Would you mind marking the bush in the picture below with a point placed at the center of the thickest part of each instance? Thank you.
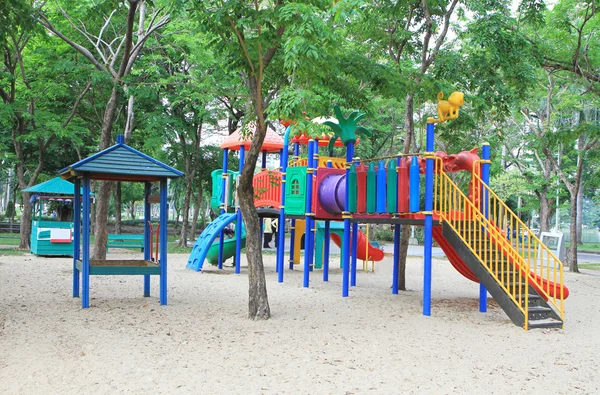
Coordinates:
(384, 235)
(10, 210)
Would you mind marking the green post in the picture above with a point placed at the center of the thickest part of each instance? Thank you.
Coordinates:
(371, 189)
(392, 187)
(352, 189)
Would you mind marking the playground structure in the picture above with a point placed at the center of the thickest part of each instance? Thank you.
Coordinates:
(119, 163)
(52, 236)
(522, 274)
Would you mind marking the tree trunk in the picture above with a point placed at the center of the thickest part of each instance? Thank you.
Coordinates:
(118, 202)
(404, 239)
(186, 211)
(258, 302)
(579, 215)
(25, 226)
(104, 187)
(93, 189)
(572, 255)
(410, 130)
(544, 211)
(132, 209)
(197, 204)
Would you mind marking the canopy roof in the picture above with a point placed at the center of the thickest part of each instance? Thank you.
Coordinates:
(273, 142)
(55, 186)
(120, 163)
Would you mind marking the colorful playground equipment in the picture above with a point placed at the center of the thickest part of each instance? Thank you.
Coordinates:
(522, 274)
(53, 234)
(118, 163)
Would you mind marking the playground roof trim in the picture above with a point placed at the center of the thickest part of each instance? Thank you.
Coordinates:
(55, 186)
(273, 142)
(120, 163)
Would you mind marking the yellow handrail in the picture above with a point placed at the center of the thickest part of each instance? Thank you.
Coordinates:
(487, 240)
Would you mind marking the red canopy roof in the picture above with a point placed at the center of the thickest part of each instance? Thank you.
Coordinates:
(273, 142)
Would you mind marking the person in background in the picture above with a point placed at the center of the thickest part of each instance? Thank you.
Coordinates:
(275, 225)
(267, 232)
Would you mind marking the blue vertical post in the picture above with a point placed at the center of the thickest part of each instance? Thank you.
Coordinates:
(326, 241)
(293, 224)
(85, 248)
(309, 238)
(485, 177)
(163, 241)
(428, 220)
(76, 236)
(147, 235)
(346, 242)
(224, 178)
(283, 161)
(396, 267)
(238, 223)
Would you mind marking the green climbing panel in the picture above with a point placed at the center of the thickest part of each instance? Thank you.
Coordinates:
(352, 189)
(295, 190)
(215, 199)
(371, 189)
(392, 187)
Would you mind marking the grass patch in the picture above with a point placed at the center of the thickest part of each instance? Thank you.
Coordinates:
(595, 247)
(590, 266)
(12, 252)
(8, 239)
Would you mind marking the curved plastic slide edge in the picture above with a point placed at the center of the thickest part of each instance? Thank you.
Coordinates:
(204, 242)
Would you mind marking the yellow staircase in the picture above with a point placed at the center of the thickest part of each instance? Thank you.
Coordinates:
(518, 270)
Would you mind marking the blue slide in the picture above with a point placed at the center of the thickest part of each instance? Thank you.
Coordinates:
(204, 242)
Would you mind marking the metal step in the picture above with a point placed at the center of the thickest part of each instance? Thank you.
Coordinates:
(548, 323)
(537, 313)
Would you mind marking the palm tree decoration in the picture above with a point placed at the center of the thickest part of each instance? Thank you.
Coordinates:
(346, 128)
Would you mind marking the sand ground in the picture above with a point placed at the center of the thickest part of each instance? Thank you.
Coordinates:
(316, 342)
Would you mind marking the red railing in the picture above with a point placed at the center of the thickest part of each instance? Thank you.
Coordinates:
(267, 189)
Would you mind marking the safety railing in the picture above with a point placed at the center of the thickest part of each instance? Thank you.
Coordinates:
(515, 266)
(336, 163)
(267, 188)
(545, 270)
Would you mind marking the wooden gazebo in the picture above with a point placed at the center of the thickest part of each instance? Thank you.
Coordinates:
(118, 163)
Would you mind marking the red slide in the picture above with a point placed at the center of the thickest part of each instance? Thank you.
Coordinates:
(361, 249)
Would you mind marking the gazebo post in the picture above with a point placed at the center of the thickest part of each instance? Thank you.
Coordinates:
(147, 235)
(85, 262)
(76, 235)
(163, 241)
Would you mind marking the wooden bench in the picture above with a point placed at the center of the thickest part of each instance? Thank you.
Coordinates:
(125, 241)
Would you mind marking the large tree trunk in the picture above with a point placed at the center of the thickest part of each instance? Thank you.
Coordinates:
(258, 302)
(410, 130)
(104, 186)
(118, 202)
(25, 226)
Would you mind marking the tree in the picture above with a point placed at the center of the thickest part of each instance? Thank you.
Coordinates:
(118, 50)
(258, 36)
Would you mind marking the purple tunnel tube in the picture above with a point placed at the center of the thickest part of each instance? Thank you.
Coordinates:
(332, 193)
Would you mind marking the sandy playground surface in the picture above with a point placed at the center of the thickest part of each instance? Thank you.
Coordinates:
(316, 342)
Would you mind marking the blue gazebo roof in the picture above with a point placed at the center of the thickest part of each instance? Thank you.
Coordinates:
(120, 163)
